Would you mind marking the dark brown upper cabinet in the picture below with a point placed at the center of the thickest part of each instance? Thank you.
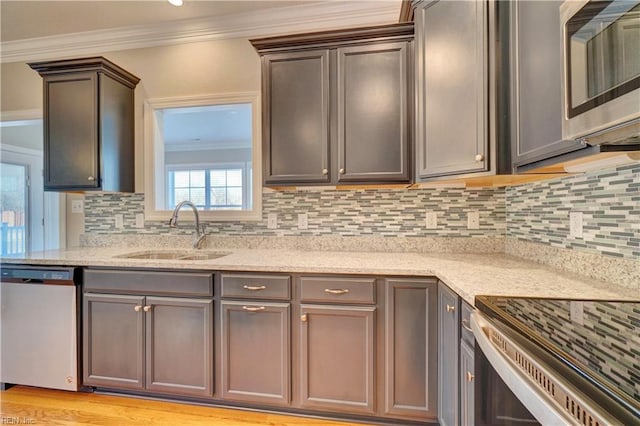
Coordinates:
(88, 125)
(337, 106)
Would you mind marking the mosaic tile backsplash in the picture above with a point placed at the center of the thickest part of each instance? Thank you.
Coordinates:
(374, 212)
(606, 341)
(608, 199)
(535, 212)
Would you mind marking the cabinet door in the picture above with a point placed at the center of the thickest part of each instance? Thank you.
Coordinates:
(337, 358)
(296, 117)
(113, 345)
(71, 131)
(448, 341)
(467, 377)
(411, 338)
(536, 81)
(179, 343)
(373, 116)
(255, 352)
(452, 81)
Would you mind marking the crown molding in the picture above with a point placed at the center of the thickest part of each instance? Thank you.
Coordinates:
(258, 23)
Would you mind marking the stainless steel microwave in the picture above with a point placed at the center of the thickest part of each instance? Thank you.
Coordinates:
(601, 60)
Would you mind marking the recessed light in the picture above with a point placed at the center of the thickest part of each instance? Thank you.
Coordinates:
(176, 2)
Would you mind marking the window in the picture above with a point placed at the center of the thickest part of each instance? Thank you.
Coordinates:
(203, 149)
(220, 188)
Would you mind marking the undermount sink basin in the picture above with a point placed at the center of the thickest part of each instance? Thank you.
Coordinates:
(173, 255)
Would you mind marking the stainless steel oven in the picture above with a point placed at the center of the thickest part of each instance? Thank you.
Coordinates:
(601, 59)
(556, 362)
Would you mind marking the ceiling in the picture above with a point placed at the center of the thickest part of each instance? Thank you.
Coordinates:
(22, 19)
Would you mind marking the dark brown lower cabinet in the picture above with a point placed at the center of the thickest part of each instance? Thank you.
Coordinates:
(175, 333)
(113, 333)
(410, 366)
(336, 358)
(255, 352)
(179, 345)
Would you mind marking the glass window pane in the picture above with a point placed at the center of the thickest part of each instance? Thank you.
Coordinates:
(181, 179)
(234, 177)
(197, 197)
(197, 178)
(218, 196)
(218, 177)
(180, 194)
(14, 206)
(234, 196)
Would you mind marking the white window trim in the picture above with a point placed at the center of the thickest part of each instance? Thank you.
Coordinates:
(154, 167)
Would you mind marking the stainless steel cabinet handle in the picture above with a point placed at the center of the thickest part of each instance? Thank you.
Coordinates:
(450, 308)
(147, 308)
(336, 291)
(137, 308)
(479, 157)
(466, 326)
(253, 309)
(254, 287)
(91, 178)
(325, 171)
(341, 171)
(470, 376)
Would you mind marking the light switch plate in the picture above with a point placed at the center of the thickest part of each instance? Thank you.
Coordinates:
(576, 309)
(119, 221)
(272, 221)
(473, 220)
(303, 221)
(139, 220)
(431, 220)
(77, 206)
(575, 224)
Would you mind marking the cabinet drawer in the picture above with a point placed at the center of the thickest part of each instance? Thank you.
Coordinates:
(149, 282)
(465, 324)
(338, 289)
(256, 286)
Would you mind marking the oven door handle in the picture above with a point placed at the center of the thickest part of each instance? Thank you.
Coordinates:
(539, 405)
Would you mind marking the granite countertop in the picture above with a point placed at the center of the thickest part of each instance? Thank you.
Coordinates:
(467, 274)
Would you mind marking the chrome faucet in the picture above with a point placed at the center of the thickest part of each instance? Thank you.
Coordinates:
(200, 231)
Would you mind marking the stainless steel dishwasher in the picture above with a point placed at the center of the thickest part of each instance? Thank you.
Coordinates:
(39, 326)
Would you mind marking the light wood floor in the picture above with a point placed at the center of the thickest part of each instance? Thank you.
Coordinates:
(27, 405)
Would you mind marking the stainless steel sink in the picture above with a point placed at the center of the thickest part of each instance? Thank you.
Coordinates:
(174, 255)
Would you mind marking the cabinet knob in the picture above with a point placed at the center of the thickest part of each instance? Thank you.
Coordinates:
(451, 308)
(479, 157)
(137, 308)
(325, 171)
(303, 318)
(91, 178)
(470, 377)
(341, 171)
(147, 308)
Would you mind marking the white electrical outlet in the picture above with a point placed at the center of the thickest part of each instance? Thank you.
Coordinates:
(139, 220)
(272, 221)
(77, 206)
(431, 220)
(575, 224)
(576, 311)
(119, 221)
(303, 221)
(473, 220)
